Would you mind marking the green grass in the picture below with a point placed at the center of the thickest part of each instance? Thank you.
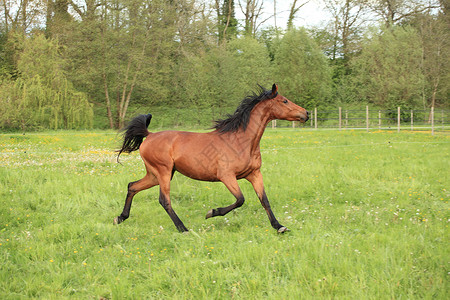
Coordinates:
(368, 214)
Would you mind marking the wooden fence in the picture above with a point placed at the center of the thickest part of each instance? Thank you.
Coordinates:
(399, 119)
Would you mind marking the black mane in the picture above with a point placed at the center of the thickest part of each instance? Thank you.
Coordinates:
(241, 116)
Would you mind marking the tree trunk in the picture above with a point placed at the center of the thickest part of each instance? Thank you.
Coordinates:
(6, 10)
(108, 102)
(433, 97)
(228, 20)
(126, 97)
(24, 15)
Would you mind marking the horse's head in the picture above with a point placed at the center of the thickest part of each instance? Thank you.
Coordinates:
(284, 109)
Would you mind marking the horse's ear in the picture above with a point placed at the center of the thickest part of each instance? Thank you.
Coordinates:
(274, 89)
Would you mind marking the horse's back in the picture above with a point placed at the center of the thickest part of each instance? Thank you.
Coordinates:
(172, 139)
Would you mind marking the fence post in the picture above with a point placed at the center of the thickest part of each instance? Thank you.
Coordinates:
(443, 123)
(432, 120)
(367, 118)
(315, 117)
(274, 124)
(293, 124)
(379, 120)
(412, 120)
(340, 118)
(398, 119)
(346, 119)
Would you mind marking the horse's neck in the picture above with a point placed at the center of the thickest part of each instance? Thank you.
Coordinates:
(259, 118)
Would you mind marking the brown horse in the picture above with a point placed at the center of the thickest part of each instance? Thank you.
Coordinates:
(228, 153)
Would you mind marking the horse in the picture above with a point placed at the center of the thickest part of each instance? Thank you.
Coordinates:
(228, 153)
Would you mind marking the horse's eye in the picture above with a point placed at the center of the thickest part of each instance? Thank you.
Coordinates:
(285, 101)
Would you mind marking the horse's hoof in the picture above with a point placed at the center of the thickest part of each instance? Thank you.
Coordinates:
(182, 229)
(209, 214)
(282, 229)
(116, 221)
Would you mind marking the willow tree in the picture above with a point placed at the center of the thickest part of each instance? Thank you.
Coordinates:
(41, 96)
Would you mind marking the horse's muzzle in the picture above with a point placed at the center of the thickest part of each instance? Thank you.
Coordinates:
(303, 117)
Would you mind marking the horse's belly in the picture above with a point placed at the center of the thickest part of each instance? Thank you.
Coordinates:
(200, 170)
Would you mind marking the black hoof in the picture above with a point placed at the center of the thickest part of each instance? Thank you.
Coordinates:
(183, 229)
(117, 221)
(210, 214)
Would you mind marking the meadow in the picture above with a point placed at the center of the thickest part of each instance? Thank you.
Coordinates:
(368, 215)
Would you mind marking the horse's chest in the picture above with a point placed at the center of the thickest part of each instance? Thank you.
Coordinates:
(253, 163)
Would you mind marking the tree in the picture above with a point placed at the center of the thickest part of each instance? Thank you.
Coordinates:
(42, 96)
(270, 38)
(301, 68)
(223, 75)
(341, 40)
(434, 37)
(252, 10)
(20, 16)
(57, 18)
(226, 20)
(346, 25)
(293, 11)
(250, 65)
(194, 27)
(394, 11)
(388, 73)
(126, 52)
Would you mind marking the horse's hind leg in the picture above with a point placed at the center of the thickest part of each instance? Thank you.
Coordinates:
(164, 200)
(133, 188)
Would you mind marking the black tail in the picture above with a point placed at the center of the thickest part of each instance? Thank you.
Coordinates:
(134, 133)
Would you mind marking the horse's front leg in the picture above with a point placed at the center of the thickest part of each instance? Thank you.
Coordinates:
(256, 179)
(233, 186)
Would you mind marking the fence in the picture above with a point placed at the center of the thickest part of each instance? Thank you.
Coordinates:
(398, 119)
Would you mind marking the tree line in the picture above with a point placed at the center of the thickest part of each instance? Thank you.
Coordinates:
(68, 63)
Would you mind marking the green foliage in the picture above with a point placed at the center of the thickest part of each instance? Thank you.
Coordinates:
(193, 90)
(5, 63)
(129, 56)
(435, 36)
(42, 97)
(302, 70)
(270, 37)
(220, 77)
(227, 22)
(388, 72)
(251, 62)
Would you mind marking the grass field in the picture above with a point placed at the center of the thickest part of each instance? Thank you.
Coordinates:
(368, 214)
